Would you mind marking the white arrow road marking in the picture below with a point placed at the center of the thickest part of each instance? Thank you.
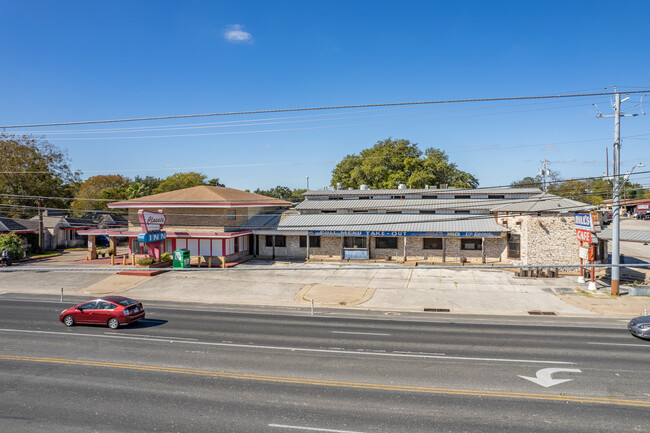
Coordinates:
(544, 376)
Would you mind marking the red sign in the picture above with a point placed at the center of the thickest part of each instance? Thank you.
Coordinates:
(584, 235)
(151, 221)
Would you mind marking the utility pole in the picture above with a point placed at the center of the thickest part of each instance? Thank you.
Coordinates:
(616, 194)
(544, 171)
(40, 224)
(307, 183)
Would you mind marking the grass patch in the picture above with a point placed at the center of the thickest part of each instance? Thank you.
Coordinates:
(45, 255)
(75, 249)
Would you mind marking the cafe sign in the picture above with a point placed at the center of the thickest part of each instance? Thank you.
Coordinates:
(583, 235)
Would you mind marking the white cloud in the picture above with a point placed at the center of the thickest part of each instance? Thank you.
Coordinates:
(570, 160)
(235, 33)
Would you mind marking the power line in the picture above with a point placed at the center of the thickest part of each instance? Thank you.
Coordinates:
(337, 107)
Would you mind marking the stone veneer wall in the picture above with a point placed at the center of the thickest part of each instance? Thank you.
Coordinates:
(546, 239)
(331, 248)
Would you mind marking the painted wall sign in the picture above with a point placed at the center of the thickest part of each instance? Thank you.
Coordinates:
(583, 235)
(584, 222)
(145, 238)
(151, 221)
(355, 253)
(406, 234)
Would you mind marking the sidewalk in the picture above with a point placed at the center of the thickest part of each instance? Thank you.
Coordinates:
(389, 288)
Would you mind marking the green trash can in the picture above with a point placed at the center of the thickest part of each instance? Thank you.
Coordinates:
(181, 259)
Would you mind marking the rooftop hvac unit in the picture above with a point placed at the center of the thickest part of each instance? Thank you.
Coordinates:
(401, 186)
(443, 186)
(363, 187)
(339, 185)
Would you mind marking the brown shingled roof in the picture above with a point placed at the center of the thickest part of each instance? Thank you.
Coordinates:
(202, 196)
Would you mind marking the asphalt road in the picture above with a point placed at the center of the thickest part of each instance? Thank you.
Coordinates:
(271, 370)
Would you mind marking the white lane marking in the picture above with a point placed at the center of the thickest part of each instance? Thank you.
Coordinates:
(295, 349)
(545, 379)
(620, 344)
(158, 336)
(297, 427)
(357, 333)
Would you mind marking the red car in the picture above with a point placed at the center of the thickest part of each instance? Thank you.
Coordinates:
(112, 311)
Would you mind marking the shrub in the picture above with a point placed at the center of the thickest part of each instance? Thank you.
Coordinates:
(110, 251)
(13, 244)
(165, 257)
(146, 261)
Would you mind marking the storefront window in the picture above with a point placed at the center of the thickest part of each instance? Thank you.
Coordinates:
(432, 243)
(470, 244)
(236, 245)
(314, 241)
(514, 246)
(280, 241)
(354, 242)
(386, 243)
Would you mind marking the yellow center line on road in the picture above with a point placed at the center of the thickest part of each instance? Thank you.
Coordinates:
(330, 383)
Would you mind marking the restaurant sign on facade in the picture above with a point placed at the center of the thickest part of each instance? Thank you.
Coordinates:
(406, 234)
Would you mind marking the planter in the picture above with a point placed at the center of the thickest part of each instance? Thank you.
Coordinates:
(163, 264)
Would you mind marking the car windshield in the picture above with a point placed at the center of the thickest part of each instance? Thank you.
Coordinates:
(126, 302)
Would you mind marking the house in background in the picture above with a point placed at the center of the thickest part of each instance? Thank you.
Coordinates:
(62, 230)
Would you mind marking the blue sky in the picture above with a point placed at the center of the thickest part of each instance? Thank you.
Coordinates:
(79, 60)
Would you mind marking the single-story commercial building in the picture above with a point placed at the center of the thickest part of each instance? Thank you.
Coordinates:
(492, 225)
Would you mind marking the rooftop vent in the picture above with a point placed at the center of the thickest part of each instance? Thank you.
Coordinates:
(401, 186)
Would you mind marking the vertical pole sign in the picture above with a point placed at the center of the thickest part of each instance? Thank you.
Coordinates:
(584, 224)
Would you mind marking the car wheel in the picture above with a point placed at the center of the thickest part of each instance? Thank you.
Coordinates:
(113, 323)
(68, 321)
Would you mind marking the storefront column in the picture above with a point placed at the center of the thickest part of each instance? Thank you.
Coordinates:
(444, 250)
(254, 245)
(307, 246)
(273, 242)
(112, 244)
(405, 248)
(483, 250)
(92, 247)
(368, 247)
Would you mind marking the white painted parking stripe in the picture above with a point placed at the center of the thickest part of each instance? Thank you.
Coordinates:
(358, 333)
(295, 349)
(645, 346)
(297, 427)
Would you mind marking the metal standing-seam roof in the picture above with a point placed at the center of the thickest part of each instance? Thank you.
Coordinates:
(389, 222)
(544, 203)
(626, 235)
(405, 204)
(421, 191)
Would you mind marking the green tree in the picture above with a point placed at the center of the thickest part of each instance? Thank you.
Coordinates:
(33, 167)
(392, 162)
(102, 187)
(13, 244)
(142, 186)
(184, 180)
(281, 192)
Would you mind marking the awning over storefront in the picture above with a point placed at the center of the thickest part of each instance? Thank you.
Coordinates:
(641, 236)
(386, 225)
